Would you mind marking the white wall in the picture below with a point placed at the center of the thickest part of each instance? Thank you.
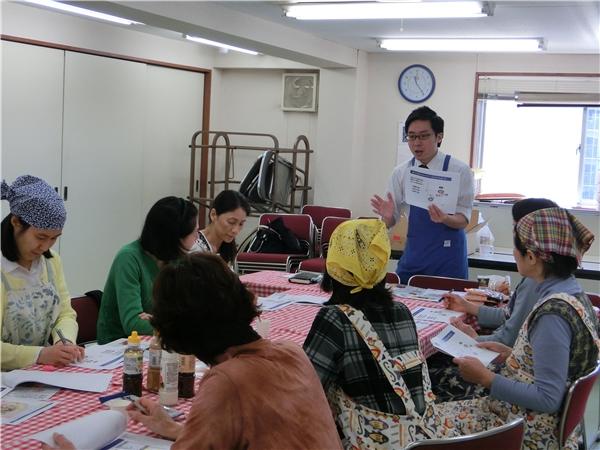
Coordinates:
(44, 25)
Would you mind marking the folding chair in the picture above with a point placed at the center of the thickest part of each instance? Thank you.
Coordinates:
(87, 309)
(506, 437)
(574, 405)
(392, 278)
(299, 224)
(318, 215)
(318, 264)
(442, 283)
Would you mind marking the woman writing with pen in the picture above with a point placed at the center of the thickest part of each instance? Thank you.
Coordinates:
(36, 306)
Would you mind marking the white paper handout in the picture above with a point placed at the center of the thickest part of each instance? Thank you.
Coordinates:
(421, 325)
(99, 429)
(102, 357)
(434, 314)
(456, 343)
(422, 187)
(91, 382)
(430, 295)
(307, 299)
(17, 410)
(34, 392)
(274, 301)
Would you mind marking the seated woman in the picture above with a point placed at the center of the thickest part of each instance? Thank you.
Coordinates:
(557, 343)
(506, 322)
(227, 218)
(35, 300)
(337, 346)
(170, 230)
(258, 394)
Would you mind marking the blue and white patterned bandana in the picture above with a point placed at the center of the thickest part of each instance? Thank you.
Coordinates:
(34, 201)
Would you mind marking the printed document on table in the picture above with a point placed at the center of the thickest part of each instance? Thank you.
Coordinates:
(91, 382)
(416, 293)
(422, 187)
(32, 392)
(274, 301)
(102, 357)
(434, 314)
(18, 410)
(456, 343)
(102, 429)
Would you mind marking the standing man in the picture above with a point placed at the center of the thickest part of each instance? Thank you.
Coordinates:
(436, 242)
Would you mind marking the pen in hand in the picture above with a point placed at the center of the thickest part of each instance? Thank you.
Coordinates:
(62, 337)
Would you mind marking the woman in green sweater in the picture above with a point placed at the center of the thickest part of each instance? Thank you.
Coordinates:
(170, 230)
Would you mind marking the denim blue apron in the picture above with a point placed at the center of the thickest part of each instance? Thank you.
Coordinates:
(432, 248)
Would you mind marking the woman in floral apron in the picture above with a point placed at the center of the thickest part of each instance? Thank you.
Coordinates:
(364, 347)
(35, 300)
(557, 343)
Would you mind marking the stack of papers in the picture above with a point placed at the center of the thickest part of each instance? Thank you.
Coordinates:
(455, 343)
(280, 300)
(434, 314)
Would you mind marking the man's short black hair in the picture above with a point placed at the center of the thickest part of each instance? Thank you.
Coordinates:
(428, 114)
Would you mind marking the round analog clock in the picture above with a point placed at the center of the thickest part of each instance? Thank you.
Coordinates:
(416, 83)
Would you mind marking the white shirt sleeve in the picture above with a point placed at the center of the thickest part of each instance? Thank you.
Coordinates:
(466, 194)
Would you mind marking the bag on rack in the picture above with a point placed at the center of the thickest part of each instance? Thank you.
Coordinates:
(259, 185)
(277, 238)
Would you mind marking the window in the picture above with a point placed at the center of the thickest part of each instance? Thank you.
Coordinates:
(547, 147)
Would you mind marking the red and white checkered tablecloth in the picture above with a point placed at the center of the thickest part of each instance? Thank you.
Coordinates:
(267, 282)
(290, 323)
(70, 405)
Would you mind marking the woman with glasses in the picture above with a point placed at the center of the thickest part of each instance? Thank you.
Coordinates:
(436, 241)
(557, 343)
(170, 231)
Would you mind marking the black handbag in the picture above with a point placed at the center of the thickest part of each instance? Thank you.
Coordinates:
(277, 238)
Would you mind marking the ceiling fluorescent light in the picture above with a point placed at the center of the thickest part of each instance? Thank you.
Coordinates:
(463, 45)
(220, 45)
(385, 10)
(83, 11)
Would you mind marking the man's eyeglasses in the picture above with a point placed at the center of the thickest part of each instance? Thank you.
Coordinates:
(420, 137)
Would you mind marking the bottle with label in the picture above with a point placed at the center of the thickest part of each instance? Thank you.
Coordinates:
(133, 361)
(169, 368)
(187, 375)
(153, 373)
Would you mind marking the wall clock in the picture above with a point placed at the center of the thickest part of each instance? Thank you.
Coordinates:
(416, 83)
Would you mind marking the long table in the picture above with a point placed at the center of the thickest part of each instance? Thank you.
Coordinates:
(290, 323)
(294, 322)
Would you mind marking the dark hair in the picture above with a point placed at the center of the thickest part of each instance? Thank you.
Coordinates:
(9, 247)
(561, 266)
(201, 307)
(428, 114)
(169, 220)
(340, 293)
(225, 202)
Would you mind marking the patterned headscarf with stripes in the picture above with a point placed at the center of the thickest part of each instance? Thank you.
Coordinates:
(554, 230)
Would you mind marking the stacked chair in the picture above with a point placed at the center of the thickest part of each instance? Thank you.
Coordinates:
(299, 224)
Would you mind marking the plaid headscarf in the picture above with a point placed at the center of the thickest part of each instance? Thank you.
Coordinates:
(33, 200)
(554, 230)
(358, 253)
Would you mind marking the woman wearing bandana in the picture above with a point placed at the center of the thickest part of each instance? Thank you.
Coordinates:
(365, 349)
(557, 343)
(35, 300)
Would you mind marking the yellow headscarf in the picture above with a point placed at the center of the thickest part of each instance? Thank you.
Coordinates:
(358, 253)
